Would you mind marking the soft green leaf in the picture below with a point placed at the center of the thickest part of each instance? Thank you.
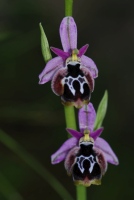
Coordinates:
(101, 111)
(45, 45)
(8, 190)
(15, 147)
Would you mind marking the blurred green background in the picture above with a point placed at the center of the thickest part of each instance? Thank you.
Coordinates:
(33, 116)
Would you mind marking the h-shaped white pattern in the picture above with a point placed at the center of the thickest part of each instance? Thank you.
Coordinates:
(82, 158)
(69, 81)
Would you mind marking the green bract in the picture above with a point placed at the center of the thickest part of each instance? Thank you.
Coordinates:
(101, 111)
(45, 45)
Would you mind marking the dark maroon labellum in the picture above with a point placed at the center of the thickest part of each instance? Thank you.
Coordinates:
(74, 84)
(86, 165)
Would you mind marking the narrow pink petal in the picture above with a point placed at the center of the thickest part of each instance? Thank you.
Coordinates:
(87, 117)
(96, 133)
(107, 151)
(89, 63)
(61, 153)
(83, 50)
(51, 67)
(68, 34)
(74, 133)
(60, 53)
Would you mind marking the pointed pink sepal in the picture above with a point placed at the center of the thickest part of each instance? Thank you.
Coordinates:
(61, 153)
(107, 151)
(87, 117)
(89, 63)
(68, 34)
(51, 67)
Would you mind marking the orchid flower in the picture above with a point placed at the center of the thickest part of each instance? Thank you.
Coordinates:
(86, 154)
(71, 72)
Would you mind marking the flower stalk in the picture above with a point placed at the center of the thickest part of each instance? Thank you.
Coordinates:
(70, 112)
(68, 7)
(81, 192)
(71, 123)
(70, 117)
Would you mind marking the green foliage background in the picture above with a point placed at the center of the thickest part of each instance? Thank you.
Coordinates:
(33, 115)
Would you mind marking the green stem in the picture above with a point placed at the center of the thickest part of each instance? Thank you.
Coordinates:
(70, 112)
(70, 117)
(81, 192)
(68, 7)
(71, 123)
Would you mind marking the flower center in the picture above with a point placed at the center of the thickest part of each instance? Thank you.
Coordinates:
(86, 138)
(73, 59)
(74, 55)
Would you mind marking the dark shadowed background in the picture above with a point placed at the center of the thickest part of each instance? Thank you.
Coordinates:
(33, 115)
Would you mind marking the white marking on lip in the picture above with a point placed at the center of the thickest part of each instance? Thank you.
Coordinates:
(70, 81)
(81, 159)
